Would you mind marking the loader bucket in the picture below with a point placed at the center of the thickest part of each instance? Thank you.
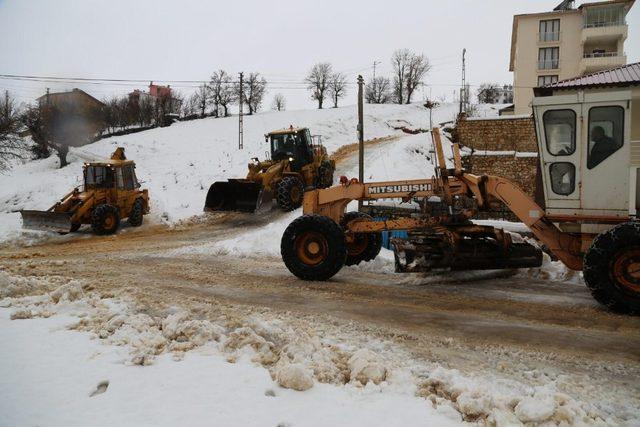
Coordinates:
(47, 221)
(235, 195)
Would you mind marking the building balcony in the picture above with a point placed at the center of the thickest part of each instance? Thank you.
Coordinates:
(604, 32)
(592, 62)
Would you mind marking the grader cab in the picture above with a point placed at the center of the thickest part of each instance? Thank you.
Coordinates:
(297, 164)
(111, 192)
(589, 154)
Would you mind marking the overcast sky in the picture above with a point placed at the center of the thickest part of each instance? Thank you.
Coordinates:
(282, 39)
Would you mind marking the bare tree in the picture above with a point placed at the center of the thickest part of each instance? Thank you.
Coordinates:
(379, 91)
(409, 70)
(34, 119)
(190, 106)
(63, 124)
(223, 92)
(337, 87)
(118, 112)
(200, 99)
(279, 102)
(318, 81)
(11, 145)
(417, 68)
(46, 124)
(254, 88)
(400, 62)
(146, 111)
(488, 93)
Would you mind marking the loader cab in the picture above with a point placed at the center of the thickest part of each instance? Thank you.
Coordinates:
(98, 176)
(589, 152)
(119, 175)
(292, 143)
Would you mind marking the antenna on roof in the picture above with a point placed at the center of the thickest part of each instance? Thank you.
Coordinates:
(565, 5)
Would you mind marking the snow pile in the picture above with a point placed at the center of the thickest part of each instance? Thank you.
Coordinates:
(294, 376)
(298, 358)
(553, 270)
(52, 376)
(367, 366)
(507, 402)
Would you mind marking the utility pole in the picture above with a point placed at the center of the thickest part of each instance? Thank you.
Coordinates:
(463, 89)
(240, 119)
(374, 69)
(360, 135)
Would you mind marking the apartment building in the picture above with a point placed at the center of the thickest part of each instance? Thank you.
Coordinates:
(565, 42)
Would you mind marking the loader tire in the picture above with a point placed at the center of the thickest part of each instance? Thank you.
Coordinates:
(137, 213)
(325, 175)
(364, 246)
(313, 247)
(105, 219)
(611, 268)
(289, 193)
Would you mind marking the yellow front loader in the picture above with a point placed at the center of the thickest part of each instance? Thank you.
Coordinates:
(297, 164)
(111, 192)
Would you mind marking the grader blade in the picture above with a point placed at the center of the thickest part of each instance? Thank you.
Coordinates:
(424, 255)
(235, 195)
(47, 221)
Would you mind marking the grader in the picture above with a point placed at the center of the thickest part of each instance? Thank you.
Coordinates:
(111, 192)
(298, 163)
(588, 224)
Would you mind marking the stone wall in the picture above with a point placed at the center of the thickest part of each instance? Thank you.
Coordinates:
(499, 134)
(503, 147)
(519, 170)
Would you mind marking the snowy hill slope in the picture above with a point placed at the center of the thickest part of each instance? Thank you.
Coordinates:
(177, 164)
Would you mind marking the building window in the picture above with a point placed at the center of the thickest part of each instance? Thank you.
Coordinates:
(606, 133)
(547, 80)
(563, 178)
(549, 30)
(560, 132)
(604, 16)
(548, 58)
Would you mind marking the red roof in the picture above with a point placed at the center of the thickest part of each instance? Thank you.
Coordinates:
(626, 75)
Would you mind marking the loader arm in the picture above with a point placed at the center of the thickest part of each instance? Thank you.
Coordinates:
(268, 177)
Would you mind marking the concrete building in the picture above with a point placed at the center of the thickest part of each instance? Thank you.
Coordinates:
(566, 42)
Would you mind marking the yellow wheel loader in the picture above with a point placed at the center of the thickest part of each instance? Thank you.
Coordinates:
(299, 162)
(111, 192)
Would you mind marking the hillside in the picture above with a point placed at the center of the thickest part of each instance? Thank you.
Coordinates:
(177, 164)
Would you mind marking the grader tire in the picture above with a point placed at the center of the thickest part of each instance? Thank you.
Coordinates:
(612, 268)
(137, 213)
(365, 246)
(324, 178)
(105, 219)
(289, 193)
(313, 247)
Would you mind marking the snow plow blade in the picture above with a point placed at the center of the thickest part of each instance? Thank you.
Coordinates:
(235, 195)
(47, 221)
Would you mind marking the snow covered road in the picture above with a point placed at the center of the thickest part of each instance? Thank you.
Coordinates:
(528, 336)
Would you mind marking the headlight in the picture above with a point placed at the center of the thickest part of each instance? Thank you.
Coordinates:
(291, 159)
